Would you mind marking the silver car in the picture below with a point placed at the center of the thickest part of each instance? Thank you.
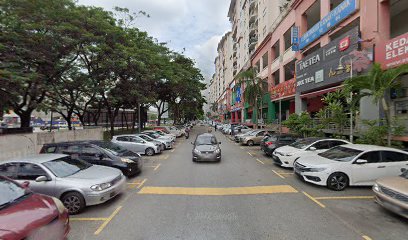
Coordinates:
(137, 144)
(77, 183)
(206, 148)
(162, 144)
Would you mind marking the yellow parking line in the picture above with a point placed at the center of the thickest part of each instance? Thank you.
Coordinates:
(218, 191)
(157, 167)
(106, 222)
(344, 197)
(141, 184)
(87, 219)
(278, 174)
(260, 161)
(314, 200)
(365, 237)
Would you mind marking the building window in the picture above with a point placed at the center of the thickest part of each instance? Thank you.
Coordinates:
(265, 60)
(311, 50)
(398, 14)
(290, 70)
(276, 78)
(343, 30)
(276, 50)
(312, 15)
(287, 37)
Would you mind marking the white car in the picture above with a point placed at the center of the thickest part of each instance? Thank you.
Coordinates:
(285, 156)
(137, 144)
(351, 165)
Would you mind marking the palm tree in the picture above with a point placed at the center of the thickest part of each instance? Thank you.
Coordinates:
(376, 84)
(254, 88)
(214, 107)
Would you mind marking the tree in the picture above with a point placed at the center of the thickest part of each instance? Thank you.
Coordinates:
(254, 89)
(334, 110)
(377, 84)
(38, 43)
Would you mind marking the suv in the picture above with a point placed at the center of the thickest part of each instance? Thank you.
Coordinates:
(99, 153)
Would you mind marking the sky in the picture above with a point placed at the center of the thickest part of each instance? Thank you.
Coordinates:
(194, 25)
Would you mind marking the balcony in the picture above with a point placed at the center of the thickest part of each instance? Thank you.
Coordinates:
(253, 17)
(253, 28)
(253, 4)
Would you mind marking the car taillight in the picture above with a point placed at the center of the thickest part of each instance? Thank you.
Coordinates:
(268, 143)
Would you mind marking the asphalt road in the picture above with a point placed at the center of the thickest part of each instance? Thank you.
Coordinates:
(243, 197)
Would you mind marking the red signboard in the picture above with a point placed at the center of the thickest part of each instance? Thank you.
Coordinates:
(284, 89)
(393, 53)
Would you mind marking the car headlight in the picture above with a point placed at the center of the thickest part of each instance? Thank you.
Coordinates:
(316, 169)
(289, 154)
(101, 187)
(197, 151)
(126, 160)
(218, 151)
(376, 187)
(60, 206)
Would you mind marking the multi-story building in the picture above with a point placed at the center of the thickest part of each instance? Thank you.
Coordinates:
(335, 39)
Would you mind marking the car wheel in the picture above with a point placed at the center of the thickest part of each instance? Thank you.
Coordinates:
(250, 143)
(74, 202)
(149, 151)
(337, 181)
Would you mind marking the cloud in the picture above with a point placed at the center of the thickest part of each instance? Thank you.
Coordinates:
(193, 25)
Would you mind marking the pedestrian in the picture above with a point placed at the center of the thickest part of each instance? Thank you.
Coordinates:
(187, 132)
(215, 127)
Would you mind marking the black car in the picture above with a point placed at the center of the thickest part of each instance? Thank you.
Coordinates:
(99, 153)
(270, 143)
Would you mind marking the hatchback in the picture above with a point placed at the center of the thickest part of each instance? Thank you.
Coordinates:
(206, 148)
(137, 144)
(77, 183)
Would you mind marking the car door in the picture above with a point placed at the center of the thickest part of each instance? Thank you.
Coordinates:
(93, 155)
(138, 145)
(30, 172)
(367, 173)
(9, 170)
(321, 146)
(393, 162)
(259, 136)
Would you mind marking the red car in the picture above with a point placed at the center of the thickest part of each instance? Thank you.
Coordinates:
(163, 129)
(27, 215)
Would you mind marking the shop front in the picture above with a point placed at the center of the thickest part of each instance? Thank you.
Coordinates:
(282, 100)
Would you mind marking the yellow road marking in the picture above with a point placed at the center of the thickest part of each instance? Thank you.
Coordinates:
(260, 161)
(87, 219)
(314, 200)
(141, 184)
(367, 237)
(106, 222)
(157, 167)
(278, 174)
(344, 197)
(218, 191)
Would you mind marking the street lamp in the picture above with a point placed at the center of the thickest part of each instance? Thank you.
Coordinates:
(350, 99)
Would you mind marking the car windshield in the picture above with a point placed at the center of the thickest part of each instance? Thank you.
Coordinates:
(405, 174)
(66, 166)
(303, 143)
(112, 147)
(10, 192)
(206, 140)
(341, 154)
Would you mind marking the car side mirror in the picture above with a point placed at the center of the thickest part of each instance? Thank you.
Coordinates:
(41, 179)
(312, 149)
(25, 184)
(403, 170)
(361, 161)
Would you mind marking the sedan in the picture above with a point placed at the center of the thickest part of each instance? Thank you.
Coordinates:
(26, 215)
(255, 137)
(166, 144)
(75, 182)
(206, 148)
(286, 156)
(351, 165)
(269, 144)
(137, 144)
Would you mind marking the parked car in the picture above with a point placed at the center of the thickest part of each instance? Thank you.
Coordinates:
(169, 136)
(27, 215)
(238, 129)
(170, 130)
(206, 148)
(392, 193)
(285, 156)
(158, 136)
(255, 137)
(269, 144)
(166, 144)
(237, 137)
(161, 128)
(351, 165)
(137, 144)
(77, 183)
(99, 153)
(150, 139)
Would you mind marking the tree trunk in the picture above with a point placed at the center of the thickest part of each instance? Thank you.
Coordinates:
(158, 119)
(25, 118)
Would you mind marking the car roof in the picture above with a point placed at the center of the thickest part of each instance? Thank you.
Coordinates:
(206, 134)
(74, 142)
(367, 147)
(37, 158)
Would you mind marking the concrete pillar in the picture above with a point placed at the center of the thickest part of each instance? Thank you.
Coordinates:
(300, 104)
(324, 10)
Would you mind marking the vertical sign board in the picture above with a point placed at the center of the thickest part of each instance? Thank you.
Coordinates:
(336, 16)
(295, 38)
(238, 98)
(321, 68)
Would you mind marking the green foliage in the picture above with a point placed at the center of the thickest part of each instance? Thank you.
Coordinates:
(377, 131)
(302, 125)
(334, 111)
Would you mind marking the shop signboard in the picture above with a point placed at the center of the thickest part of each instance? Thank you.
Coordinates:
(295, 38)
(336, 16)
(285, 89)
(393, 53)
(324, 66)
(238, 97)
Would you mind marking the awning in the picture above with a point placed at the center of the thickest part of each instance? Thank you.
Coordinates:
(320, 92)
